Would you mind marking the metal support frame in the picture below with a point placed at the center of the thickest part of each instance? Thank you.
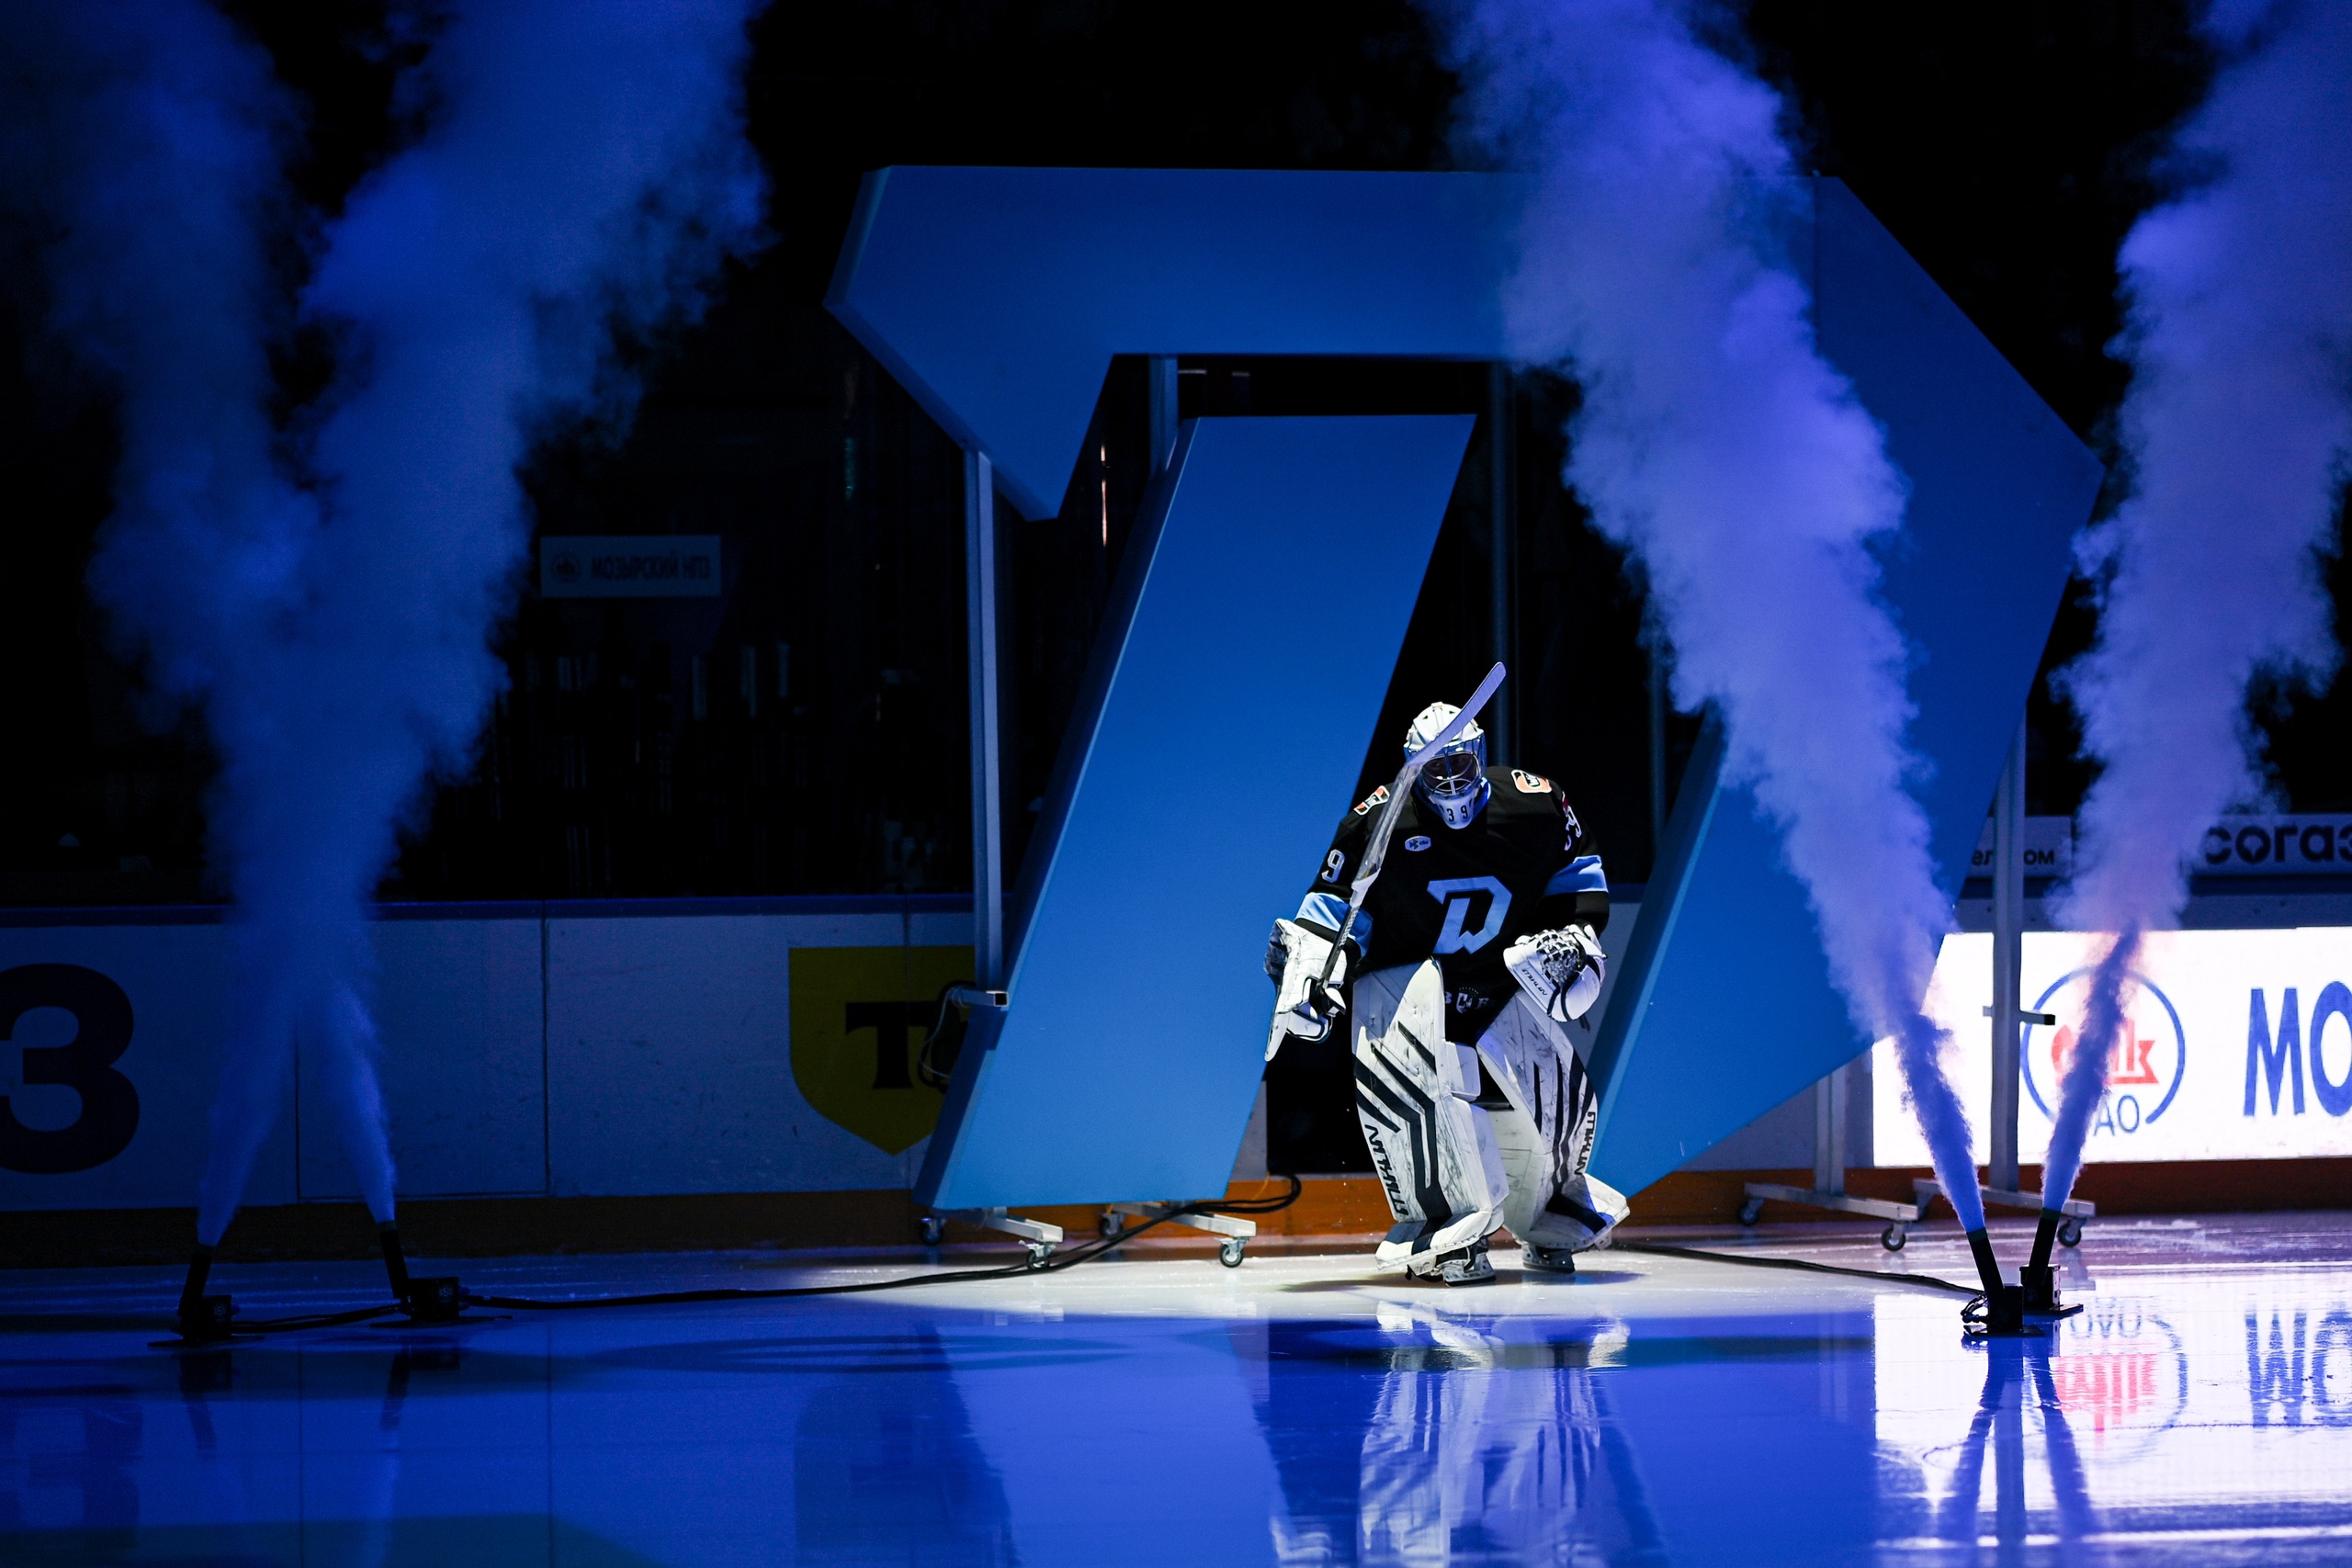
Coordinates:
(1236, 1231)
(1653, 640)
(2003, 1188)
(1831, 1098)
(988, 815)
(988, 779)
(2008, 952)
(1040, 1237)
(1160, 371)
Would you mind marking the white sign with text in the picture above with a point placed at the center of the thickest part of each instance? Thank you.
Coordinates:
(629, 566)
(2240, 1047)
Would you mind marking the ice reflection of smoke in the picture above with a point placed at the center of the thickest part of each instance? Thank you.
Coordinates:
(2014, 1368)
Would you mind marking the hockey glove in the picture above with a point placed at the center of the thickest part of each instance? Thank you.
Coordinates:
(1304, 1005)
(1560, 970)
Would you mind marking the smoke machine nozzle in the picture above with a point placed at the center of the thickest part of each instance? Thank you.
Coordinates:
(395, 1260)
(2046, 1233)
(1988, 1268)
(203, 1319)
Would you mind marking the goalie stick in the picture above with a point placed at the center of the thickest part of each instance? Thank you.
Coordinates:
(1375, 854)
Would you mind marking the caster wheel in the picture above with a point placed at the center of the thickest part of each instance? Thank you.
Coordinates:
(1893, 1237)
(1039, 1254)
(2070, 1232)
(933, 1227)
(1108, 1225)
(1230, 1253)
(1751, 1211)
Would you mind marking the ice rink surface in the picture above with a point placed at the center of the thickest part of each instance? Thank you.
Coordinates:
(1296, 1410)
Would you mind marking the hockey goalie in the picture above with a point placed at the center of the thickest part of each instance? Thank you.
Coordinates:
(1472, 951)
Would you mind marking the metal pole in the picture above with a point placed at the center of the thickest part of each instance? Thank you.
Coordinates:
(1160, 371)
(1657, 743)
(1500, 527)
(1829, 1134)
(979, 612)
(2009, 946)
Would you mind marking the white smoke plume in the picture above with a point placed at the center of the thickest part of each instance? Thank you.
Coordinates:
(1735, 464)
(579, 177)
(584, 171)
(2238, 425)
(142, 159)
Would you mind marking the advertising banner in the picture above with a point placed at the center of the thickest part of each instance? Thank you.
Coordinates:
(2045, 849)
(2240, 1047)
(2278, 846)
(629, 566)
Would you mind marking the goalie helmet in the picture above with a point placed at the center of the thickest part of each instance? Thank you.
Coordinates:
(1453, 781)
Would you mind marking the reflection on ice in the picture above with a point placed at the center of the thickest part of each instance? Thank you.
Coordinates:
(2016, 1372)
(1469, 1436)
(1293, 1412)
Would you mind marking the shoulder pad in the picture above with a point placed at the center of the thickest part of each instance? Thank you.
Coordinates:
(1531, 784)
(1378, 798)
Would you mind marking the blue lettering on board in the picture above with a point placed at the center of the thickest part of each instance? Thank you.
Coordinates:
(2274, 1062)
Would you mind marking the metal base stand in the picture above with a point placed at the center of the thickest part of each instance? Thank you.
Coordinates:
(1927, 1190)
(2003, 1188)
(1828, 1189)
(1041, 1237)
(1236, 1231)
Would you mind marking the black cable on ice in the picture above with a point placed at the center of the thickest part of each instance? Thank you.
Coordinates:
(1929, 1281)
(1074, 1256)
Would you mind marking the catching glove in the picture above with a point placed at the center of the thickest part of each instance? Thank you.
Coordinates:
(1560, 970)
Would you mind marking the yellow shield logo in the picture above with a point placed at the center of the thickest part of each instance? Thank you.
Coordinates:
(859, 1014)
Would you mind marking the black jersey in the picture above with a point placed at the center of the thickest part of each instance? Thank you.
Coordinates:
(1463, 895)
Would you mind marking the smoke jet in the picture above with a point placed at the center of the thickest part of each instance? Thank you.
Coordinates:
(582, 179)
(143, 153)
(1736, 466)
(579, 177)
(2238, 423)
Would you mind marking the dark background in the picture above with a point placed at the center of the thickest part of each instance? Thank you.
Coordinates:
(805, 732)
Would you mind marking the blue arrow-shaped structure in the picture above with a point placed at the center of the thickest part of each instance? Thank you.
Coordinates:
(1124, 1063)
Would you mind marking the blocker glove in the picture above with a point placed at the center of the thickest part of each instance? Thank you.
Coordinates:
(1304, 1005)
(1560, 970)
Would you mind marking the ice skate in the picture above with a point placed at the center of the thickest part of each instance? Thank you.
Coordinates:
(1546, 1259)
(1464, 1265)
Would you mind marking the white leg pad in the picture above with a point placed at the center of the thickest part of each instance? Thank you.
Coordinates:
(1546, 1138)
(1434, 1150)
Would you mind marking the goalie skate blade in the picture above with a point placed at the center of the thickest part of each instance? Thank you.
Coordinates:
(1476, 1271)
(1464, 1265)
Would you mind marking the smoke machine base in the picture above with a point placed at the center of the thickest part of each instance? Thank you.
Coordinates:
(1999, 1313)
(2040, 1280)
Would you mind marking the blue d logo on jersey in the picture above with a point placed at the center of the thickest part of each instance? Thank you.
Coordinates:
(1459, 894)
